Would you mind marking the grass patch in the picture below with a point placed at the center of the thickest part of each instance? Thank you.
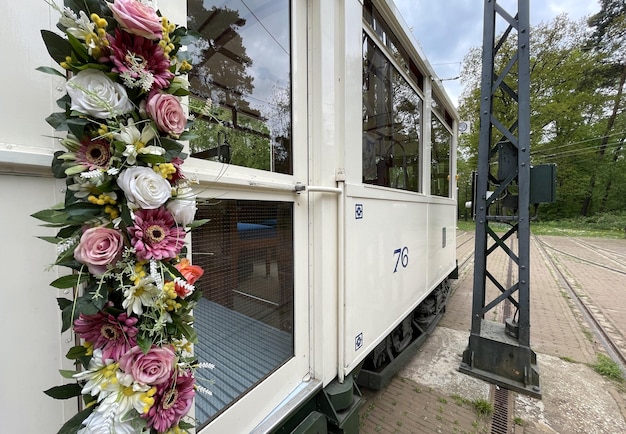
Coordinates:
(459, 400)
(518, 421)
(606, 367)
(567, 359)
(482, 407)
(599, 226)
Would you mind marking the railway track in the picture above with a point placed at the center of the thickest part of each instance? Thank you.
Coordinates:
(607, 334)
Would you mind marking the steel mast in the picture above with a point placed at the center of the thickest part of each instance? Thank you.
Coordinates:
(499, 352)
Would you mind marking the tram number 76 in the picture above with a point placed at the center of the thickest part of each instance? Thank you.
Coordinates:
(402, 257)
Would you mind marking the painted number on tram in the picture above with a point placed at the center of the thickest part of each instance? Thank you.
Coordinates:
(402, 257)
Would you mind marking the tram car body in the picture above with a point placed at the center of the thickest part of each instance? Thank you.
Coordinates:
(325, 162)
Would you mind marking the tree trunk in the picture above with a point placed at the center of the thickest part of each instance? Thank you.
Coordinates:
(605, 140)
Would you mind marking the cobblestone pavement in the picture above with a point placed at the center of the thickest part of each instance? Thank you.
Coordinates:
(429, 395)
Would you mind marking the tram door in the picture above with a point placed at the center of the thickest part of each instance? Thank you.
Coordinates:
(252, 318)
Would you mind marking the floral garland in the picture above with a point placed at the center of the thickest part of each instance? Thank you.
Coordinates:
(127, 210)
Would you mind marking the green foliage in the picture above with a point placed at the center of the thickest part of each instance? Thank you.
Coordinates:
(482, 406)
(606, 367)
(577, 116)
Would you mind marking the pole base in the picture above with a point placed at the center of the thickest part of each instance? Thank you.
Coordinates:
(497, 358)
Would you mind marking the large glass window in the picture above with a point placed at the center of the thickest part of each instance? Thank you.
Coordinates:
(241, 82)
(440, 159)
(244, 320)
(392, 112)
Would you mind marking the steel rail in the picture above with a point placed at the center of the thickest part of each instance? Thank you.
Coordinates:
(603, 336)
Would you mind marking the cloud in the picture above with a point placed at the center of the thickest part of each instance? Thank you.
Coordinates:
(447, 30)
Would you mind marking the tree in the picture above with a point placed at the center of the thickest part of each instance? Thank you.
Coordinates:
(568, 105)
(609, 38)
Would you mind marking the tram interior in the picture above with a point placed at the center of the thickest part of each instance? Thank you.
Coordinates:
(244, 319)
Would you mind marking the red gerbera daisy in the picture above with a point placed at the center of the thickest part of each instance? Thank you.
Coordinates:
(155, 234)
(140, 61)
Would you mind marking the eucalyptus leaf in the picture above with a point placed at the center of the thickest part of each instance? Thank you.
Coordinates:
(69, 281)
(64, 392)
(66, 373)
(76, 352)
(58, 47)
(49, 70)
(196, 223)
(58, 121)
(73, 425)
(79, 49)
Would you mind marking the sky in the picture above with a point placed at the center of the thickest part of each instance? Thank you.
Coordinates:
(447, 29)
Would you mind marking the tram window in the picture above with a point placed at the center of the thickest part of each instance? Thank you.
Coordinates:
(392, 115)
(440, 159)
(241, 83)
(244, 319)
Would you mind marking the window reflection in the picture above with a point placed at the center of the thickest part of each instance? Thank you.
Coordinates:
(392, 112)
(241, 83)
(440, 159)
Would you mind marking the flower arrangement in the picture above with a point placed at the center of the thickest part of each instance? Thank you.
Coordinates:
(127, 210)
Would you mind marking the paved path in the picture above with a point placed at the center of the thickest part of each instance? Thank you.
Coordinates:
(430, 396)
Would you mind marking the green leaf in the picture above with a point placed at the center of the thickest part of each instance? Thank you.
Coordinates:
(79, 49)
(144, 342)
(58, 47)
(196, 223)
(77, 126)
(50, 216)
(64, 302)
(188, 332)
(151, 159)
(185, 425)
(74, 424)
(66, 373)
(57, 166)
(69, 281)
(172, 148)
(53, 240)
(48, 70)
(58, 121)
(187, 135)
(64, 392)
(76, 352)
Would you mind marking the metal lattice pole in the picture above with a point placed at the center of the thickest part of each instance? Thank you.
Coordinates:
(500, 352)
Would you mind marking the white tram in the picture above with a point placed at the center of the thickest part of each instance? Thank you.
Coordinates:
(325, 161)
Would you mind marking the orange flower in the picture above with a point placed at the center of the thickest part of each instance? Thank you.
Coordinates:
(191, 273)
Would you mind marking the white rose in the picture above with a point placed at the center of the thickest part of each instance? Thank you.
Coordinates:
(144, 188)
(183, 208)
(95, 94)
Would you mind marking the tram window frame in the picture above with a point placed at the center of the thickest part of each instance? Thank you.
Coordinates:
(380, 142)
(242, 134)
(440, 179)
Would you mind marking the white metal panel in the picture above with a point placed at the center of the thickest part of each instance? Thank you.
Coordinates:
(31, 318)
(387, 262)
(31, 321)
(441, 239)
(27, 95)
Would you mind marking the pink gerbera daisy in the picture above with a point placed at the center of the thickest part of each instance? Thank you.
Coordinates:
(155, 234)
(113, 335)
(94, 154)
(171, 402)
(140, 62)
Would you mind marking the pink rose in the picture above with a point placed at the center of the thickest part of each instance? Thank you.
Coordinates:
(137, 18)
(167, 112)
(98, 248)
(154, 367)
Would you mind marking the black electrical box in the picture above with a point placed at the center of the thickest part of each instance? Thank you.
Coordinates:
(543, 183)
